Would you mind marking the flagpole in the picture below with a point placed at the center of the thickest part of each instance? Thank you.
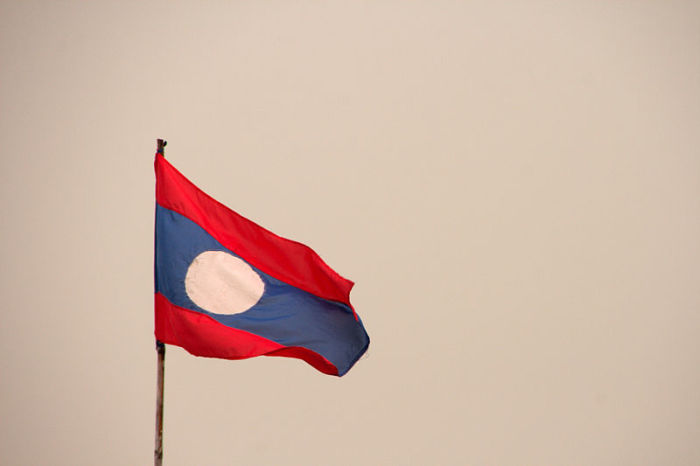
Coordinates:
(160, 349)
(158, 453)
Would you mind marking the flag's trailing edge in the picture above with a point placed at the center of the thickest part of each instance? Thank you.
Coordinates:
(228, 288)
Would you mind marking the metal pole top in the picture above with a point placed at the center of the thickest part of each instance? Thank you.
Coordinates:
(161, 146)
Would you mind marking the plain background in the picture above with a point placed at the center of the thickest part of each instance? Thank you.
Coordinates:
(514, 186)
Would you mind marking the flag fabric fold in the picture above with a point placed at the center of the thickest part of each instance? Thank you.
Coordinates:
(228, 288)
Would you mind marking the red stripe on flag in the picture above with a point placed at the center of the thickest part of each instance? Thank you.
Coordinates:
(292, 262)
(201, 335)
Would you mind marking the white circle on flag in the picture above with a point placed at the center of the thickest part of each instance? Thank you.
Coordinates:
(221, 283)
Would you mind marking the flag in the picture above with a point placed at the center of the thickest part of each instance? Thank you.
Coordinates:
(228, 288)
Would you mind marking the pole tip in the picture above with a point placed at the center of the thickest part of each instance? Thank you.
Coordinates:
(161, 146)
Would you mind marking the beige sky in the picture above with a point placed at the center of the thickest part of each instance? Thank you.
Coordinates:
(513, 186)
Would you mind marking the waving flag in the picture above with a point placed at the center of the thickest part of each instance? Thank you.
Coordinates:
(228, 288)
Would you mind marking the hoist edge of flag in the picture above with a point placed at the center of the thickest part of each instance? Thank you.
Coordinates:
(175, 325)
(282, 258)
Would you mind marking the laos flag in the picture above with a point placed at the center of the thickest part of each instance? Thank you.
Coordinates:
(228, 288)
